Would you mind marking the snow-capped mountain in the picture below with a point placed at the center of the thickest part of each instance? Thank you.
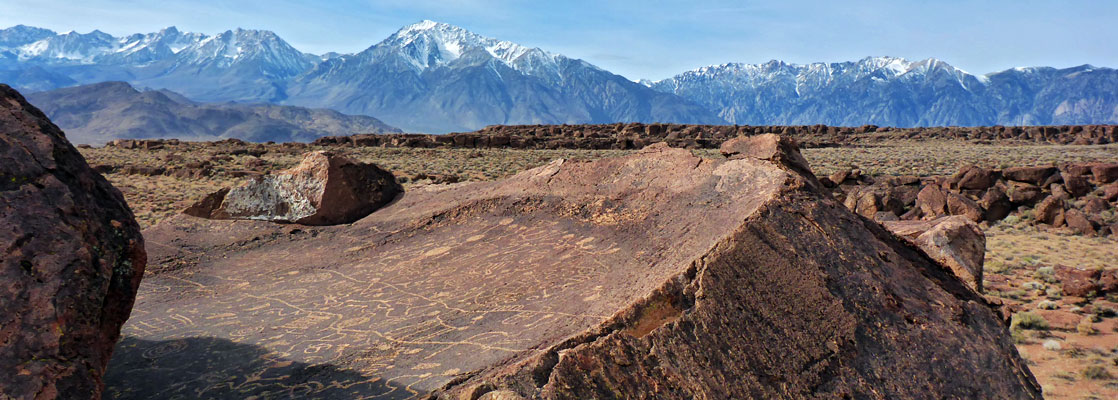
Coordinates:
(897, 92)
(435, 77)
(236, 65)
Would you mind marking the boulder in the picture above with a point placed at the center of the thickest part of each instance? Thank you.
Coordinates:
(974, 178)
(996, 203)
(955, 242)
(1095, 206)
(1049, 209)
(1110, 192)
(71, 258)
(958, 204)
(657, 274)
(1025, 194)
(1105, 173)
(932, 202)
(324, 189)
(1078, 282)
(1079, 223)
(770, 147)
(1031, 175)
(1077, 185)
(1108, 281)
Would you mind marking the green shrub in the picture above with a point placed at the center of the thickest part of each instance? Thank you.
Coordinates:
(1028, 320)
(1097, 372)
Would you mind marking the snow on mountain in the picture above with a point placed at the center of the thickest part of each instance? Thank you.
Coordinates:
(22, 34)
(269, 54)
(429, 44)
(435, 77)
(897, 92)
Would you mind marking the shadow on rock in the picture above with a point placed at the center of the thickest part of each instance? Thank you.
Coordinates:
(213, 368)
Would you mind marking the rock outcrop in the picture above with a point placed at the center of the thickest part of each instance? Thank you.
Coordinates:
(324, 189)
(956, 242)
(638, 135)
(71, 258)
(659, 274)
(1071, 196)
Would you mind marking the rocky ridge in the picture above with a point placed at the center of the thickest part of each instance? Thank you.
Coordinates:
(638, 135)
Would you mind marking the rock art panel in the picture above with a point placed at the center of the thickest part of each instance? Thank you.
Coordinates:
(659, 274)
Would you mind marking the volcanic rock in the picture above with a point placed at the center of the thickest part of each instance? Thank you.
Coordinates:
(1049, 209)
(1110, 192)
(324, 189)
(974, 178)
(1108, 281)
(958, 204)
(996, 203)
(71, 258)
(1078, 282)
(1079, 223)
(771, 147)
(1023, 193)
(658, 274)
(1033, 175)
(956, 242)
(1105, 173)
(1077, 185)
(932, 201)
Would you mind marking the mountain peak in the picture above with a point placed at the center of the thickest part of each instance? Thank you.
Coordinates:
(427, 44)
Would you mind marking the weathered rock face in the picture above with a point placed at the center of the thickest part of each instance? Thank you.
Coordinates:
(956, 242)
(71, 258)
(324, 189)
(658, 274)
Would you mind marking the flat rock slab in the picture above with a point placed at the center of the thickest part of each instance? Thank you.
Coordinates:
(657, 274)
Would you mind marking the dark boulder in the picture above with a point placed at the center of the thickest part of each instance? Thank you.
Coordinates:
(1033, 175)
(71, 258)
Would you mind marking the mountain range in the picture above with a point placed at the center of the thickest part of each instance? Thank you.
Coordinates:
(433, 77)
(100, 112)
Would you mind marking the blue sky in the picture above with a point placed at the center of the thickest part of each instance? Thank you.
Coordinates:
(651, 38)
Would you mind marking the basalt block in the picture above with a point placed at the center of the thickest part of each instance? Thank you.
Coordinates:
(324, 189)
(71, 258)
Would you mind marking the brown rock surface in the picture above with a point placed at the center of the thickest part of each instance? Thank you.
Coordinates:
(956, 242)
(1032, 175)
(1078, 282)
(72, 258)
(1049, 209)
(658, 274)
(1108, 281)
(974, 178)
(932, 201)
(324, 189)
(1105, 173)
(1079, 223)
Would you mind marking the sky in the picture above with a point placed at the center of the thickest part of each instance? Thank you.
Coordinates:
(651, 39)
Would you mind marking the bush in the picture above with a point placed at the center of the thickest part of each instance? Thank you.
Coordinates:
(1028, 320)
(1097, 372)
(1048, 305)
(1047, 274)
(1086, 328)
